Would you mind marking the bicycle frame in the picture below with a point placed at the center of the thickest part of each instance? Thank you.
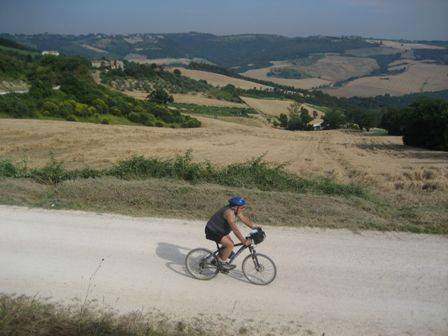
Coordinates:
(241, 249)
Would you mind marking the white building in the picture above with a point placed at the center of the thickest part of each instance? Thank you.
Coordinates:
(50, 52)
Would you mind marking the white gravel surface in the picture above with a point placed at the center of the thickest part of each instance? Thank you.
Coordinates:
(331, 282)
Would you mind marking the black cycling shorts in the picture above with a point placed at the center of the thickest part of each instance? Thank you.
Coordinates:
(215, 236)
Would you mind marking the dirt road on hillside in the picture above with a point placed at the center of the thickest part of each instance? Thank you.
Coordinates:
(329, 282)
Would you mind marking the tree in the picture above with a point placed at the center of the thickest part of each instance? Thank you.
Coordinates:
(334, 119)
(299, 118)
(283, 120)
(392, 121)
(366, 118)
(177, 72)
(426, 124)
(40, 89)
(160, 96)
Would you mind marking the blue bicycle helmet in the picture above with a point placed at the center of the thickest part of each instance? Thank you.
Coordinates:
(237, 200)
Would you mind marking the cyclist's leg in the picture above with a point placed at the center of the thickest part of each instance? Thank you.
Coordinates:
(228, 244)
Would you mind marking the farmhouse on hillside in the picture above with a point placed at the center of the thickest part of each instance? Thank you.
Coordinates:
(50, 53)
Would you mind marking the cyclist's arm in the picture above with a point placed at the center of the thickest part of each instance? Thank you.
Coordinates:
(230, 217)
(247, 221)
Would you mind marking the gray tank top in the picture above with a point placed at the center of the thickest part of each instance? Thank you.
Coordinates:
(218, 223)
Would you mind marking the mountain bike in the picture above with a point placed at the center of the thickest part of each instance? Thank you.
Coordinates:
(258, 268)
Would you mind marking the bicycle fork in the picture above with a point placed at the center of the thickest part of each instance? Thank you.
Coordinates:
(254, 258)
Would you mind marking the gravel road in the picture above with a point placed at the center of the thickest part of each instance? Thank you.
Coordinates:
(331, 282)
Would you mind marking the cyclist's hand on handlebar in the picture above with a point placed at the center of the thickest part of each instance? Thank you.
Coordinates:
(247, 242)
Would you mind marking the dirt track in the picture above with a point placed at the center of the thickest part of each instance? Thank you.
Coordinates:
(332, 282)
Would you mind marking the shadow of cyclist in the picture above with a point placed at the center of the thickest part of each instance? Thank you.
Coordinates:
(175, 257)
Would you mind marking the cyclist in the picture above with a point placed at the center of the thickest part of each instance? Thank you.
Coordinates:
(223, 222)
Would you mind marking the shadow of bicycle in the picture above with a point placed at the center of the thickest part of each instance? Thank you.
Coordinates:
(175, 257)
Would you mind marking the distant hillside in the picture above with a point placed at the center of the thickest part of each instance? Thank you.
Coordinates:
(12, 44)
(342, 66)
(228, 51)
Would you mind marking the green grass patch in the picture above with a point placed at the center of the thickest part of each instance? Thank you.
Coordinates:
(23, 316)
(161, 197)
(256, 174)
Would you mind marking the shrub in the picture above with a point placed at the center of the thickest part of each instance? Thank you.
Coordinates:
(8, 169)
(334, 119)
(426, 124)
(52, 173)
(160, 96)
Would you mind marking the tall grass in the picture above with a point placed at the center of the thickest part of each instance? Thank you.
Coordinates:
(255, 174)
(24, 316)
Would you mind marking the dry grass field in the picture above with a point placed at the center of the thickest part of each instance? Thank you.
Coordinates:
(323, 71)
(336, 68)
(381, 161)
(220, 80)
(274, 107)
(271, 107)
(306, 83)
(420, 76)
(404, 46)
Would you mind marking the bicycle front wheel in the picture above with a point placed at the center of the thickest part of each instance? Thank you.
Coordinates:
(201, 264)
(259, 269)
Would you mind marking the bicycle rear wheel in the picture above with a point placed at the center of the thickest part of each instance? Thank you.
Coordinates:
(259, 269)
(199, 264)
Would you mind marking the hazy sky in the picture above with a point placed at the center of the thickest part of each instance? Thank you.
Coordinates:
(410, 19)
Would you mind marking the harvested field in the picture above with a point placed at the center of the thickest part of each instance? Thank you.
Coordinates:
(337, 68)
(322, 71)
(380, 161)
(272, 107)
(366, 52)
(420, 76)
(220, 80)
(403, 45)
(306, 83)
(94, 48)
(200, 99)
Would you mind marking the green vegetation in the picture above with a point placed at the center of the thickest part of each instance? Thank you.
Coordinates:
(62, 88)
(334, 119)
(218, 111)
(422, 124)
(256, 174)
(298, 120)
(160, 96)
(151, 77)
(438, 55)
(22, 316)
(287, 73)
(227, 51)
(182, 199)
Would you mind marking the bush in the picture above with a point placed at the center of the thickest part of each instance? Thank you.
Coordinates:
(256, 174)
(334, 119)
(426, 124)
(160, 96)
(392, 121)
(52, 173)
(8, 169)
(70, 117)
